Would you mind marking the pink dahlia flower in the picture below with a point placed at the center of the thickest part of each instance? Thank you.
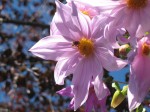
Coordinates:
(80, 49)
(115, 35)
(85, 8)
(133, 15)
(139, 82)
(119, 36)
(92, 101)
(105, 6)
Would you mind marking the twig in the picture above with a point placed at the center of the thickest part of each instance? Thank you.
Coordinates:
(18, 22)
(120, 82)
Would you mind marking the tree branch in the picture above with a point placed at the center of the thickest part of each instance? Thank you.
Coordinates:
(18, 22)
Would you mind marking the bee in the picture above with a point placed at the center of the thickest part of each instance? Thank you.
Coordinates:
(76, 43)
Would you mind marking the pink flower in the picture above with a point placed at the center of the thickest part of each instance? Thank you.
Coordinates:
(115, 35)
(105, 6)
(85, 8)
(139, 82)
(80, 49)
(92, 100)
(133, 15)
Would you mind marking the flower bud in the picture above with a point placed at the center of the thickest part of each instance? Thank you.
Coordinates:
(124, 50)
(118, 97)
(124, 90)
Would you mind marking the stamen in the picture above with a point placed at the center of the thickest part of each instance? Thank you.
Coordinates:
(85, 46)
(136, 4)
(85, 12)
(145, 49)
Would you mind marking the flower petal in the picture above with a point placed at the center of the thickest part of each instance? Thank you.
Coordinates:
(89, 103)
(64, 68)
(63, 22)
(53, 48)
(133, 101)
(53, 28)
(139, 82)
(81, 81)
(98, 24)
(82, 77)
(110, 33)
(66, 91)
(109, 61)
(100, 88)
(79, 20)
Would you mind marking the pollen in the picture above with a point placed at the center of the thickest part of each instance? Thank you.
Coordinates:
(85, 46)
(145, 49)
(85, 12)
(136, 4)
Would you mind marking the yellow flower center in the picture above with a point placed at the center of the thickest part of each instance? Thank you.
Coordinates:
(145, 49)
(85, 46)
(136, 4)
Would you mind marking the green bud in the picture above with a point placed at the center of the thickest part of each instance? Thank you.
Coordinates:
(124, 90)
(118, 97)
(124, 50)
(116, 86)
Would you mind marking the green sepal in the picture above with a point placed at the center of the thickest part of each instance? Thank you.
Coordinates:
(124, 90)
(116, 86)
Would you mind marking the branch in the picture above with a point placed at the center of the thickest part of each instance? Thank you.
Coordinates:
(18, 22)
(120, 82)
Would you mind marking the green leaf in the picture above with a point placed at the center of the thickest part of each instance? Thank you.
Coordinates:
(140, 109)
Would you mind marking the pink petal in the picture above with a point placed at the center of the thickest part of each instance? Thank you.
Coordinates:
(109, 61)
(97, 26)
(139, 82)
(81, 81)
(101, 42)
(53, 48)
(53, 28)
(133, 100)
(64, 24)
(144, 20)
(110, 33)
(82, 77)
(132, 24)
(66, 91)
(89, 103)
(79, 20)
(71, 105)
(100, 88)
(102, 103)
(64, 68)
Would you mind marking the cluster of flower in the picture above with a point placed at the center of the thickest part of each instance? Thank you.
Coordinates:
(82, 39)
